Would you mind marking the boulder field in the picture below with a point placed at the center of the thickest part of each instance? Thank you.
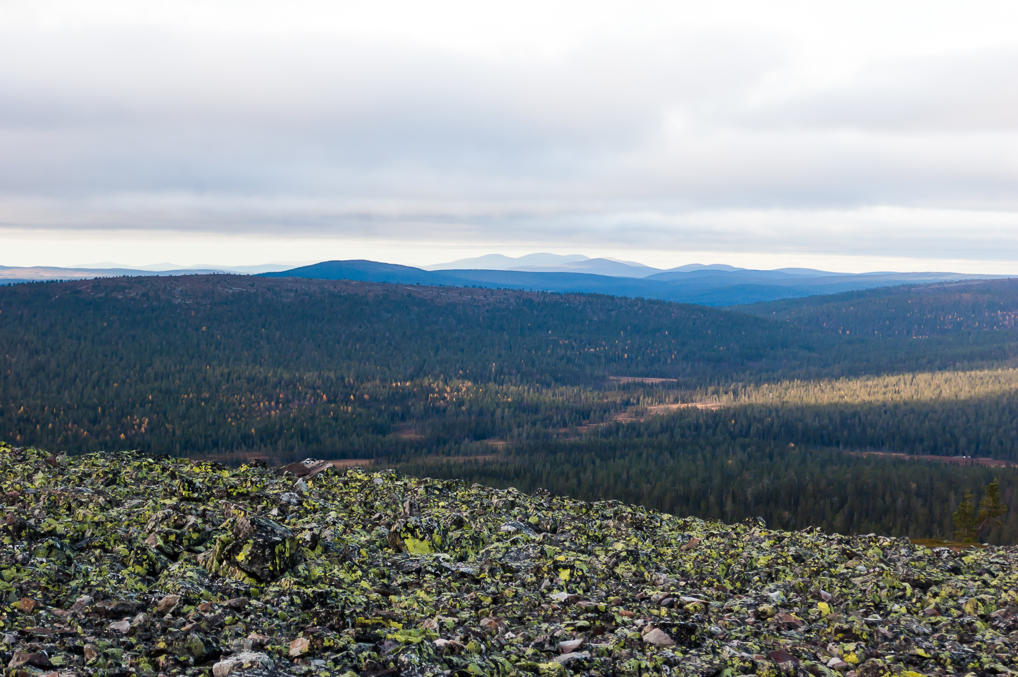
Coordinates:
(124, 564)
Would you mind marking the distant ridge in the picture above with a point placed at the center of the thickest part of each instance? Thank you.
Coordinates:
(551, 263)
(13, 274)
(713, 285)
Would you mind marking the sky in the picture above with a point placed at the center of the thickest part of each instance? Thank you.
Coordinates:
(847, 136)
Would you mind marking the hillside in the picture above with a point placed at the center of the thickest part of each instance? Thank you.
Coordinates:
(916, 312)
(125, 564)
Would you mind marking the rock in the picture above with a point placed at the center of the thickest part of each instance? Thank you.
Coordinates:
(236, 603)
(657, 637)
(449, 645)
(299, 647)
(490, 624)
(257, 640)
(416, 536)
(307, 468)
(55, 550)
(246, 661)
(780, 656)
(123, 627)
(572, 657)
(517, 527)
(257, 548)
(34, 659)
(167, 604)
(197, 647)
(173, 531)
(788, 621)
(569, 645)
(564, 597)
(116, 609)
(82, 603)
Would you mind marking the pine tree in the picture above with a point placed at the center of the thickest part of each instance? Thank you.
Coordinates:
(970, 522)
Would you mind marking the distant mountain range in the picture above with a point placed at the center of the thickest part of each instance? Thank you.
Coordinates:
(10, 274)
(15, 274)
(551, 263)
(714, 285)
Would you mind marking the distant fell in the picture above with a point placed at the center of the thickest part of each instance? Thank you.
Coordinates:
(502, 262)
(365, 271)
(711, 285)
(15, 274)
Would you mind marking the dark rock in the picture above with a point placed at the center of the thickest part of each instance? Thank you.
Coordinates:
(167, 604)
(257, 547)
(307, 468)
(114, 608)
(33, 659)
(416, 536)
(781, 656)
(172, 532)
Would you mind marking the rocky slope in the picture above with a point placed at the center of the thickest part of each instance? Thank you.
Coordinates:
(122, 564)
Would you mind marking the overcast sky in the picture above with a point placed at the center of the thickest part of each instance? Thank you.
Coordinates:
(847, 135)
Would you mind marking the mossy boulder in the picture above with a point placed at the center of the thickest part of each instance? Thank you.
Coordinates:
(256, 548)
(416, 536)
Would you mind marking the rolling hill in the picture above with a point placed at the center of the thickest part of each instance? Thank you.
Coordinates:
(916, 311)
(704, 285)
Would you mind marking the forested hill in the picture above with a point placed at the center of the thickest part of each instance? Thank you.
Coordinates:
(914, 311)
(221, 364)
(387, 331)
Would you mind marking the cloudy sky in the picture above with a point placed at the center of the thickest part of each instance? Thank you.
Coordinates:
(848, 135)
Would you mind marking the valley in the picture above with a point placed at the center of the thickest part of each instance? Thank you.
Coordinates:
(769, 410)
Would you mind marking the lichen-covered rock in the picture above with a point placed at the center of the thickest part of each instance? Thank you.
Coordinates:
(248, 663)
(106, 569)
(257, 548)
(172, 531)
(416, 536)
